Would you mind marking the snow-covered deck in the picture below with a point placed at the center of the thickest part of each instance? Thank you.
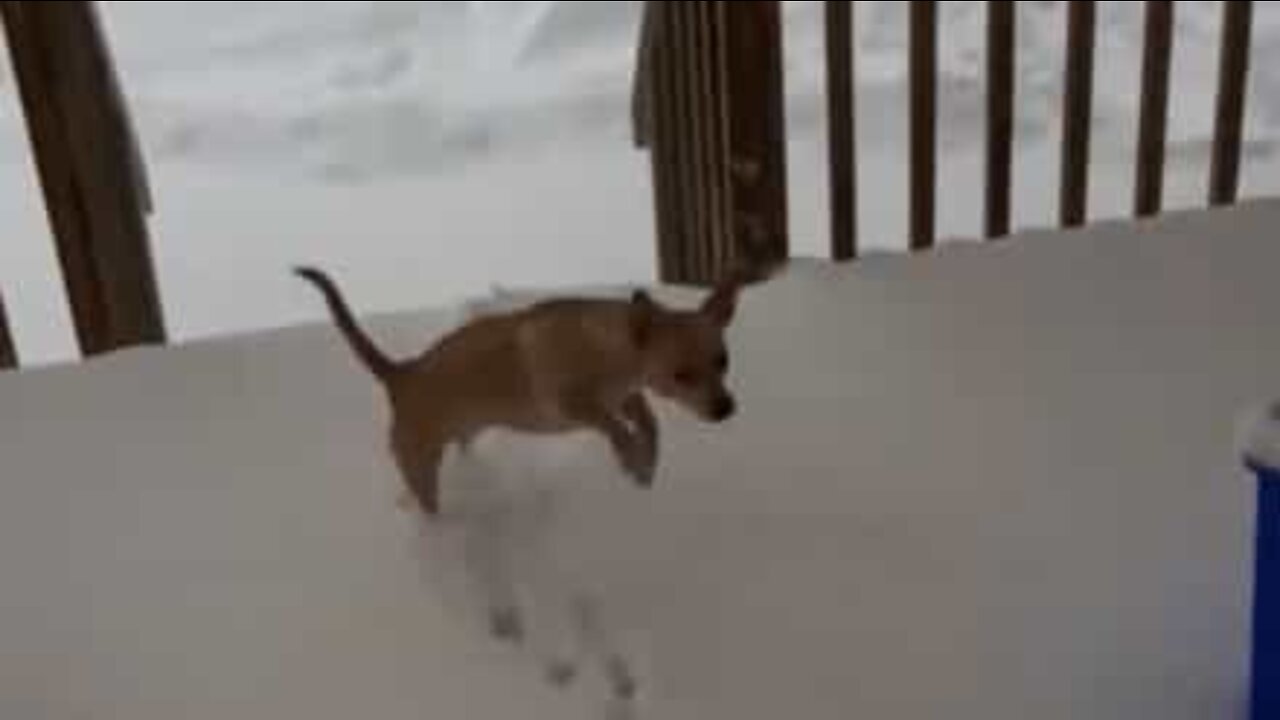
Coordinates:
(992, 483)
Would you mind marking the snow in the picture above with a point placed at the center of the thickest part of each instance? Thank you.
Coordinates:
(1260, 436)
(430, 150)
(994, 482)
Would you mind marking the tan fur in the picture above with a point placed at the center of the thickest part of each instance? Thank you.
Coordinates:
(557, 366)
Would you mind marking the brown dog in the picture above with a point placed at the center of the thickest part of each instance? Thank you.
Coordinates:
(557, 366)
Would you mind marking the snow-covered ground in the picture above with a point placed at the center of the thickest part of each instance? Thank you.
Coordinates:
(997, 483)
(427, 150)
(1007, 490)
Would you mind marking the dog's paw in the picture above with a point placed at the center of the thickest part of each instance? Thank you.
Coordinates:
(640, 465)
(641, 476)
(560, 674)
(620, 710)
(405, 501)
(643, 472)
(506, 625)
(647, 462)
(621, 680)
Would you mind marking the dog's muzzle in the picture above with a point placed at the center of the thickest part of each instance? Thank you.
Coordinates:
(723, 408)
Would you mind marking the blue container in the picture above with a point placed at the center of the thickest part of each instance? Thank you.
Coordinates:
(1265, 692)
(1262, 456)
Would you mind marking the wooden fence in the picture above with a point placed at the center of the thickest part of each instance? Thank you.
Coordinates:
(678, 108)
(709, 107)
(91, 172)
(8, 353)
(708, 104)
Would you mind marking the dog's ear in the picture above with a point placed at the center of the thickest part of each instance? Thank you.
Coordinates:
(721, 305)
(642, 313)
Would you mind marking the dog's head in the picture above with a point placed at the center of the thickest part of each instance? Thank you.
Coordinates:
(684, 352)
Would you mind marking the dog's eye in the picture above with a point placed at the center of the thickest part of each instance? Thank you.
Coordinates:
(686, 377)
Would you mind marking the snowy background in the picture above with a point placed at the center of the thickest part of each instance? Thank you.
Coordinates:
(919, 564)
(427, 150)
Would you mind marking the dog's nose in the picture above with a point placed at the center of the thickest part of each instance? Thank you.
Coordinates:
(724, 408)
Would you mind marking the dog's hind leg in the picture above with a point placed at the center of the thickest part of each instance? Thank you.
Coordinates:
(491, 545)
(407, 498)
(419, 464)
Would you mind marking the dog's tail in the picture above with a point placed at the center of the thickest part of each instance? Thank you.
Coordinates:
(373, 358)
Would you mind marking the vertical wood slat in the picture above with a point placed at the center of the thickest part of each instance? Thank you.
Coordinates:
(662, 121)
(90, 167)
(677, 47)
(53, 164)
(662, 124)
(117, 190)
(717, 143)
(679, 112)
(1233, 76)
(841, 129)
(8, 353)
(693, 141)
(757, 137)
(1153, 121)
(924, 91)
(642, 80)
(112, 184)
(1001, 72)
(708, 104)
(698, 32)
(698, 121)
(1077, 112)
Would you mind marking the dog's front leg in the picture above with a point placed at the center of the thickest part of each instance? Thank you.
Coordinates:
(627, 445)
(637, 411)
